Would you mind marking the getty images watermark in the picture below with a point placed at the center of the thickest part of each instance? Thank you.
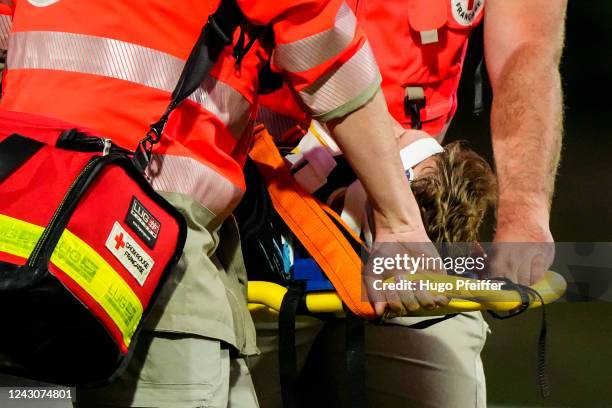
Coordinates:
(470, 270)
(405, 268)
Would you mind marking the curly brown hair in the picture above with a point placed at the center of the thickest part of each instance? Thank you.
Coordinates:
(455, 197)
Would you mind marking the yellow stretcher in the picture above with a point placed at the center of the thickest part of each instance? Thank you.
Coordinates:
(268, 295)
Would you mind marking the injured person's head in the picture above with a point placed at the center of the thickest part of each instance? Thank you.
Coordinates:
(453, 185)
(454, 189)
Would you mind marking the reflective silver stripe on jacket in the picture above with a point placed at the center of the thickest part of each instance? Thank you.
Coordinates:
(309, 52)
(343, 85)
(276, 123)
(5, 28)
(185, 175)
(112, 58)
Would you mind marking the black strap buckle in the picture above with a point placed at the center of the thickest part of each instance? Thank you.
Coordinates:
(242, 47)
(142, 155)
(414, 101)
(144, 150)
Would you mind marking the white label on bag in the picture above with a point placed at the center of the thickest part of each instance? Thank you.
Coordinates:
(129, 253)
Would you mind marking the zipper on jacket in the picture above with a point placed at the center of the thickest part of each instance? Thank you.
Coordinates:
(51, 232)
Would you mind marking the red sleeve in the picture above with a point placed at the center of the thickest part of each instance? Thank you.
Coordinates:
(321, 51)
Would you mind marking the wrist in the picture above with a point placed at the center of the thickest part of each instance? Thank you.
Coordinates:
(410, 228)
(532, 211)
(522, 226)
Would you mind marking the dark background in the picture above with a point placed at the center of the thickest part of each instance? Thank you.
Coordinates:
(580, 334)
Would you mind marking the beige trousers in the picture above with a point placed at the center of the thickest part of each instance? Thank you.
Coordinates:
(436, 366)
(175, 370)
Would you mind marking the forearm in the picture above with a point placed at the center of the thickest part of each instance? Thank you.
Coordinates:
(367, 140)
(527, 127)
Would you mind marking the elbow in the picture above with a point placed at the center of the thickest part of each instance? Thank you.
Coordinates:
(532, 58)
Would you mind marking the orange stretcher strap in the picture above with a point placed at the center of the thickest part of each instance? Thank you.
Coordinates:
(310, 222)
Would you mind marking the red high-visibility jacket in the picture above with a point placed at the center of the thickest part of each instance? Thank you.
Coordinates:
(417, 44)
(109, 67)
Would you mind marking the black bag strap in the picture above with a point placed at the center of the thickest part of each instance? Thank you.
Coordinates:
(287, 354)
(527, 295)
(214, 37)
(475, 58)
(355, 358)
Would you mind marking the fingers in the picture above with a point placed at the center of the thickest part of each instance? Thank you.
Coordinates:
(503, 264)
(441, 300)
(521, 265)
(429, 300)
(411, 302)
(541, 263)
(408, 302)
(394, 303)
(389, 264)
(425, 299)
(523, 275)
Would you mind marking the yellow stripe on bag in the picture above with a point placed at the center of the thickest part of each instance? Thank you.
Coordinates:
(84, 265)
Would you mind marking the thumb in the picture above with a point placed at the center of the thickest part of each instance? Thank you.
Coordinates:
(538, 267)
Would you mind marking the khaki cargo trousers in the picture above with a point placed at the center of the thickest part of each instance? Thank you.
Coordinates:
(435, 364)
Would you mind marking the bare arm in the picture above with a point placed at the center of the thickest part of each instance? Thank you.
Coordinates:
(523, 46)
(368, 141)
(370, 144)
